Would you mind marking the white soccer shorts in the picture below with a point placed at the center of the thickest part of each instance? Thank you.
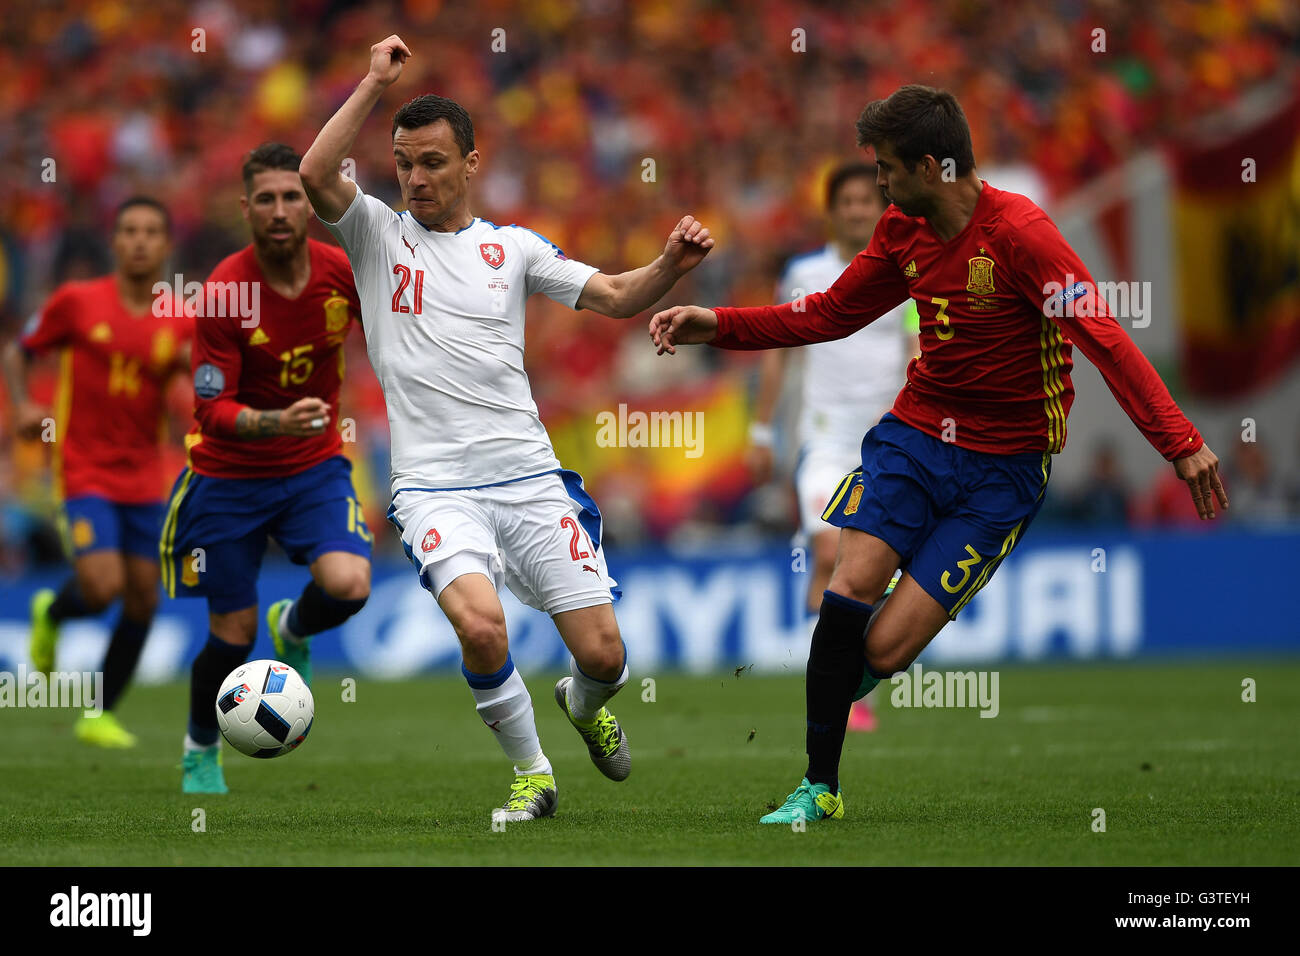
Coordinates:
(533, 536)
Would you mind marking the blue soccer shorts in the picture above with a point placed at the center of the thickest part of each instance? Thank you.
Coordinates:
(952, 514)
(216, 529)
(93, 523)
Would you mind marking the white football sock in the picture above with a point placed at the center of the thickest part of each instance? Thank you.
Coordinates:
(192, 744)
(508, 711)
(587, 695)
(535, 764)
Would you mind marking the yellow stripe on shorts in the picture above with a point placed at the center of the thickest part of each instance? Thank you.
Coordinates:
(840, 490)
(167, 544)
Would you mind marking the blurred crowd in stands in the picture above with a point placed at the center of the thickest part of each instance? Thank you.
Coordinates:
(600, 123)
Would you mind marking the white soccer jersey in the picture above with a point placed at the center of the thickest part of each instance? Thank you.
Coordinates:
(443, 314)
(849, 383)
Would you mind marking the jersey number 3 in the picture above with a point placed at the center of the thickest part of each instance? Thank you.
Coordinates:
(403, 274)
(945, 333)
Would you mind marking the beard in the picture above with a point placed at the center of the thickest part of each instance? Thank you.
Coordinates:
(279, 250)
(910, 208)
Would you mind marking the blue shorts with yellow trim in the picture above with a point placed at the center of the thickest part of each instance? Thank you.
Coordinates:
(952, 514)
(216, 529)
(93, 523)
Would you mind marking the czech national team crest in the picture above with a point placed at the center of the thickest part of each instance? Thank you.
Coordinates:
(431, 540)
(979, 281)
(493, 254)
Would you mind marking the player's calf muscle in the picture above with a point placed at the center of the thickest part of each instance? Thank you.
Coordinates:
(591, 634)
(482, 636)
(902, 628)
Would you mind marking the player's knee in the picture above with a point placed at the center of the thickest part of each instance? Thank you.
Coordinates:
(352, 584)
(236, 628)
(849, 585)
(482, 634)
(605, 660)
(99, 591)
(140, 603)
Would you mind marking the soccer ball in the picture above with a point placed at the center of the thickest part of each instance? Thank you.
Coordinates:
(264, 709)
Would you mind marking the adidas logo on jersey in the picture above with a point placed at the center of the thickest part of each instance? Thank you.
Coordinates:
(910, 270)
(258, 338)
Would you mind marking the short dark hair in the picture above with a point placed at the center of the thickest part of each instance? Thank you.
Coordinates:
(918, 121)
(150, 202)
(430, 108)
(269, 156)
(846, 173)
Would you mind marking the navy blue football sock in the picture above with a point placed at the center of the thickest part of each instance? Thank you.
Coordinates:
(835, 668)
(123, 654)
(316, 611)
(212, 665)
(68, 603)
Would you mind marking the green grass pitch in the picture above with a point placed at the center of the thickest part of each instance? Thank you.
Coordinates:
(1186, 772)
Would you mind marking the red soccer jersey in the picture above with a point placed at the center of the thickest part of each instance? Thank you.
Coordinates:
(295, 350)
(1000, 304)
(112, 389)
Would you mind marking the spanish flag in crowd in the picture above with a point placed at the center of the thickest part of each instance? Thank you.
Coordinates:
(677, 454)
(1237, 242)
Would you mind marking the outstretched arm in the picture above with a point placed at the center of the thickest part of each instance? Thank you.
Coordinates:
(328, 189)
(869, 287)
(624, 295)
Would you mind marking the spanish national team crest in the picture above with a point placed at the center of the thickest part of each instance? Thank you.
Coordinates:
(431, 540)
(336, 313)
(493, 254)
(855, 499)
(83, 533)
(980, 279)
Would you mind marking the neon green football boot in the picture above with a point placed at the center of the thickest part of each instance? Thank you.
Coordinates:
(532, 796)
(606, 742)
(202, 771)
(809, 803)
(297, 654)
(45, 633)
(103, 730)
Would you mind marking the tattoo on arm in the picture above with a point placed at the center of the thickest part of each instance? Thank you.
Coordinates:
(251, 423)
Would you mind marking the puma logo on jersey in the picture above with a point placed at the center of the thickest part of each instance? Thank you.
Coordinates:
(588, 567)
(408, 245)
